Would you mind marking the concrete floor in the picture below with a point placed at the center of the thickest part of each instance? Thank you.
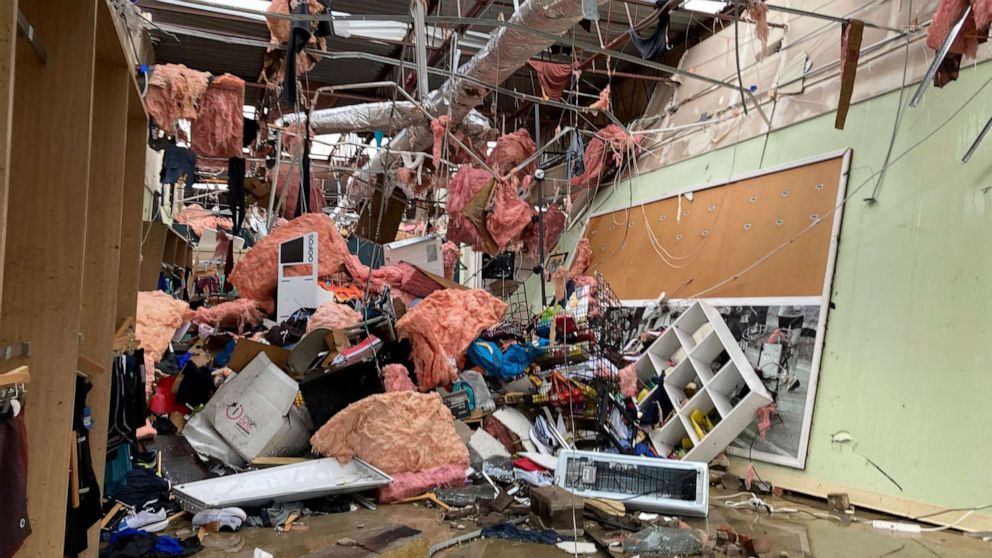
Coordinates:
(792, 535)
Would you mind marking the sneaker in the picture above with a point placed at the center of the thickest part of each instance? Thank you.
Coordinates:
(146, 520)
(229, 519)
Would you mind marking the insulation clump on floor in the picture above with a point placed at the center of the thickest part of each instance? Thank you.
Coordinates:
(611, 144)
(174, 92)
(219, 126)
(332, 315)
(239, 313)
(257, 272)
(157, 318)
(397, 378)
(397, 432)
(441, 328)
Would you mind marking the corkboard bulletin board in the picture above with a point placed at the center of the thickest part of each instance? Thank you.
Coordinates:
(722, 231)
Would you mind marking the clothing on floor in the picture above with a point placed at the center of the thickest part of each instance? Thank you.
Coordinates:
(299, 35)
(196, 386)
(178, 161)
(117, 469)
(236, 190)
(553, 77)
(657, 42)
(131, 543)
(79, 519)
(511, 532)
(143, 488)
(14, 524)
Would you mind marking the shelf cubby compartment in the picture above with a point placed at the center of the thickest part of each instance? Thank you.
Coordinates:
(669, 437)
(676, 383)
(665, 346)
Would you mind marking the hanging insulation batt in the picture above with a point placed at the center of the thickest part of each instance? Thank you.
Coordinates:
(219, 127)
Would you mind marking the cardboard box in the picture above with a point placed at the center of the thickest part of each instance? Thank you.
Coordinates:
(255, 412)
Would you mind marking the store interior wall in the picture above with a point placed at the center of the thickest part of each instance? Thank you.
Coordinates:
(904, 349)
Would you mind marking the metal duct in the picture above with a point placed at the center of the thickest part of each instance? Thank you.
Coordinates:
(369, 117)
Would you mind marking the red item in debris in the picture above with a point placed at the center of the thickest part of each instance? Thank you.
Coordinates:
(397, 378)
(219, 127)
(511, 150)
(527, 465)
(163, 402)
(442, 327)
(553, 77)
(509, 217)
(611, 140)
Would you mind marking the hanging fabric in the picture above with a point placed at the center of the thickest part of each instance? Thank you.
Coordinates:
(574, 155)
(236, 190)
(305, 185)
(553, 77)
(325, 28)
(14, 524)
(299, 35)
(657, 42)
(83, 507)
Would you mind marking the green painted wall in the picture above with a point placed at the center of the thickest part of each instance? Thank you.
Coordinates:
(907, 366)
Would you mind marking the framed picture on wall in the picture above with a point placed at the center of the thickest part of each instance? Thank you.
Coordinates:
(554, 262)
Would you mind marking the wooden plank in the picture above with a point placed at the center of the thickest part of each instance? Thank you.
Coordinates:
(8, 34)
(852, 33)
(49, 172)
(19, 375)
(152, 250)
(134, 191)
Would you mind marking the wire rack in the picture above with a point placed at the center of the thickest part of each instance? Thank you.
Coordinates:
(632, 480)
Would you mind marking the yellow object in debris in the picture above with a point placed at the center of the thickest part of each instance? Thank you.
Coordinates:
(644, 393)
(701, 423)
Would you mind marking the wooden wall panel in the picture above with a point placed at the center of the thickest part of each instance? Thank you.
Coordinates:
(134, 189)
(8, 36)
(722, 231)
(46, 225)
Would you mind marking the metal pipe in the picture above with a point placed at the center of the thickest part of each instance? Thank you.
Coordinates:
(807, 13)
(420, 42)
(978, 140)
(938, 59)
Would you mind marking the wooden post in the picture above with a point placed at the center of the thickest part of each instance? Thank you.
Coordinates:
(8, 34)
(45, 236)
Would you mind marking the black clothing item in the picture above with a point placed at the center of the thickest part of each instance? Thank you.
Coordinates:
(250, 131)
(14, 524)
(305, 174)
(299, 35)
(325, 28)
(288, 332)
(128, 409)
(140, 544)
(236, 190)
(657, 42)
(143, 488)
(195, 387)
(177, 162)
(79, 520)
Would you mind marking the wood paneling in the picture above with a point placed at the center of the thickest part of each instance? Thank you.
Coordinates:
(134, 189)
(684, 247)
(46, 226)
(8, 31)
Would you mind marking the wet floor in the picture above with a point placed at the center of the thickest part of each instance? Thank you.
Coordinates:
(793, 535)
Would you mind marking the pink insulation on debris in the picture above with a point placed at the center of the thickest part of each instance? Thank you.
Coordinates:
(219, 127)
(765, 419)
(611, 140)
(174, 92)
(156, 320)
(199, 219)
(279, 34)
(511, 150)
(510, 215)
(451, 256)
(975, 26)
(628, 381)
(257, 272)
(239, 313)
(288, 190)
(580, 263)
(397, 378)
(554, 225)
(757, 10)
(455, 153)
(408, 485)
(603, 103)
(332, 315)
(441, 328)
(398, 432)
(466, 183)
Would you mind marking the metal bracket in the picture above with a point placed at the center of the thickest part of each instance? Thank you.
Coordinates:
(938, 59)
(977, 142)
(25, 29)
(15, 350)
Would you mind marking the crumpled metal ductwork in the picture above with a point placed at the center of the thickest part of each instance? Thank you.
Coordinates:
(385, 115)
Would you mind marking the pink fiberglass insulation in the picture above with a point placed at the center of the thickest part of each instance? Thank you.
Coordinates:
(239, 313)
(279, 27)
(628, 381)
(441, 328)
(174, 92)
(510, 215)
(554, 224)
(466, 183)
(219, 127)
(257, 272)
(510, 151)
(455, 153)
(396, 276)
(157, 318)
(199, 219)
(398, 432)
(603, 102)
(757, 10)
(332, 315)
(944, 18)
(288, 189)
(451, 256)
(408, 485)
(583, 255)
(397, 378)
(611, 140)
